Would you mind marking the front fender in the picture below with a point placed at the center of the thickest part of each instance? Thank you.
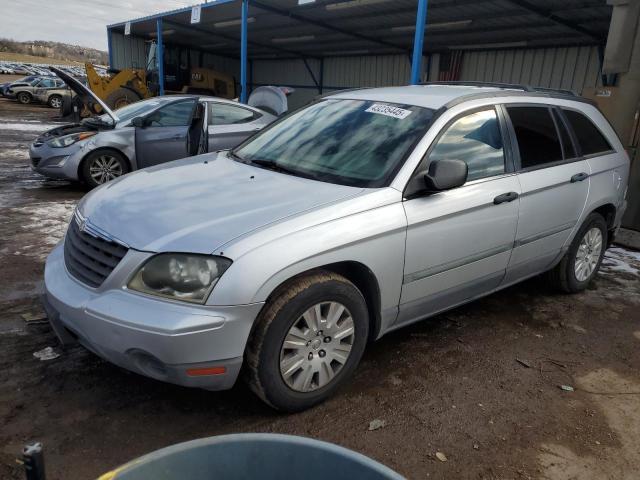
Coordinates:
(374, 238)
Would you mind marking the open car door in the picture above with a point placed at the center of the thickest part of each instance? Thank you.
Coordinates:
(166, 133)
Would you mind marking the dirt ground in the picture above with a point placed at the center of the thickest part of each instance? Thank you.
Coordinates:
(479, 384)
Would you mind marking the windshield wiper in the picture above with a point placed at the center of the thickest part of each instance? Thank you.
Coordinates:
(270, 165)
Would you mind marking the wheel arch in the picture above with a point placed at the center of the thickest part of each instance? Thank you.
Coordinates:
(357, 273)
(103, 149)
(608, 212)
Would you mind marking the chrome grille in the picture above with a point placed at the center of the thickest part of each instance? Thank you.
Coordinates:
(90, 258)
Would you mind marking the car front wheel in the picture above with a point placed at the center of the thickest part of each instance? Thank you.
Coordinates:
(102, 166)
(308, 340)
(582, 261)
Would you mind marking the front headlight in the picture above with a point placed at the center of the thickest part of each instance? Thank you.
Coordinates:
(180, 276)
(67, 140)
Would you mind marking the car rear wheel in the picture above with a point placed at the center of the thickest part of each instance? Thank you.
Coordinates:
(24, 98)
(582, 261)
(102, 166)
(55, 101)
(308, 340)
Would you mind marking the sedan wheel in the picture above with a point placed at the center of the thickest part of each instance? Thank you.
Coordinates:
(317, 346)
(104, 168)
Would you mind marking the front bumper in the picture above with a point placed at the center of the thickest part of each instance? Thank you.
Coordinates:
(59, 163)
(160, 339)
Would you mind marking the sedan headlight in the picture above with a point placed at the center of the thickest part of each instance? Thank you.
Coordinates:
(180, 276)
(67, 140)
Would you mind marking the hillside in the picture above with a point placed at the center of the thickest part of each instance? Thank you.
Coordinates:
(49, 52)
(20, 57)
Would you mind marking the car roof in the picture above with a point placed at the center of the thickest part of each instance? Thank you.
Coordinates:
(438, 95)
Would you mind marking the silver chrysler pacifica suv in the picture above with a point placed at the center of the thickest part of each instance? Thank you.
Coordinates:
(363, 212)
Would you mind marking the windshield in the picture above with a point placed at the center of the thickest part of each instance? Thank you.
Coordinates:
(133, 110)
(351, 142)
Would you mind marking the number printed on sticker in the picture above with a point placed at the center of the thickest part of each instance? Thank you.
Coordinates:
(389, 111)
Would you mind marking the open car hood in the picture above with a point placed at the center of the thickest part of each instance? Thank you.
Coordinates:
(84, 92)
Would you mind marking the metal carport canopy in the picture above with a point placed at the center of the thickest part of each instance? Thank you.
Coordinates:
(278, 29)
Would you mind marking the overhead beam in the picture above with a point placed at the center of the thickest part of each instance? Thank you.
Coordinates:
(275, 48)
(327, 26)
(525, 4)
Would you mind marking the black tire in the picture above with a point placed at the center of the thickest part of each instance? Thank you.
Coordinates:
(24, 98)
(563, 276)
(67, 106)
(55, 101)
(277, 318)
(97, 156)
(121, 97)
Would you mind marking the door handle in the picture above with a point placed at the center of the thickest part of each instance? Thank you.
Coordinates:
(578, 177)
(505, 197)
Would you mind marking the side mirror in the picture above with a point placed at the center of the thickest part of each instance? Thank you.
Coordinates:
(446, 174)
(139, 122)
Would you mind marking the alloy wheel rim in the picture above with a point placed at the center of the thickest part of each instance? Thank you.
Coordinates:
(317, 346)
(105, 168)
(55, 102)
(588, 254)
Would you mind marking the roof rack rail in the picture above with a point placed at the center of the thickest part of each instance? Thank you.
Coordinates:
(509, 86)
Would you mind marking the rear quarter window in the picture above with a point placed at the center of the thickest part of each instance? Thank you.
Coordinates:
(590, 138)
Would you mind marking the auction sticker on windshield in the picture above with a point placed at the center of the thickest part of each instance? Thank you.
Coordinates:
(389, 111)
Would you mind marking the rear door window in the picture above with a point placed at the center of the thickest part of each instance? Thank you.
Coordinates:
(476, 140)
(538, 141)
(223, 114)
(590, 139)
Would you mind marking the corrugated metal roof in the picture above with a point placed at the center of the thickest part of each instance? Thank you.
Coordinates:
(284, 29)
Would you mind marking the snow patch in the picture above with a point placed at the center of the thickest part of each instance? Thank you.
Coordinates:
(29, 127)
(621, 260)
(43, 226)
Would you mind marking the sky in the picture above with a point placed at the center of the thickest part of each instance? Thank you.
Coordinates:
(77, 22)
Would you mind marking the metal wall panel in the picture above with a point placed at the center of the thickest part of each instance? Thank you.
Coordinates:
(571, 68)
(370, 71)
(339, 73)
(131, 52)
(128, 51)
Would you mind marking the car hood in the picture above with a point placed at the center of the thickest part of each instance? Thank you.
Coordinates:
(199, 204)
(83, 92)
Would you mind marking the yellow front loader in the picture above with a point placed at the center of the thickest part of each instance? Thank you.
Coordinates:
(121, 88)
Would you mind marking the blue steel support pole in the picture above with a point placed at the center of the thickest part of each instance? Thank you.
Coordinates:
(160, 55)
(243, 51)
(421, 20)
(110, 48)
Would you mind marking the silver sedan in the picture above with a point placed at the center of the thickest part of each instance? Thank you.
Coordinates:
(143, 134)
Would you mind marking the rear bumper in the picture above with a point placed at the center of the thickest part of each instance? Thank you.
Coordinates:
(119, 326)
